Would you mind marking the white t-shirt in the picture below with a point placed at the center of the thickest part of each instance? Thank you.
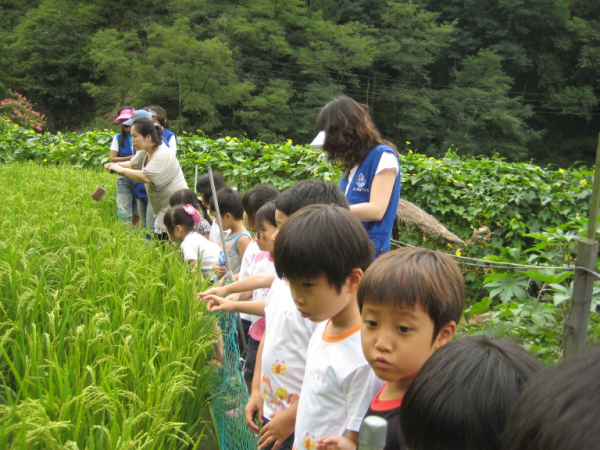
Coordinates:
(215, 234)
(251, 251)
(196, 247)
(388, 160)
(173, 144)
(338, 387)
(284, 350)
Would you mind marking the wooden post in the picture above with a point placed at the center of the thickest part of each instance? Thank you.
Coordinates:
(576, 325)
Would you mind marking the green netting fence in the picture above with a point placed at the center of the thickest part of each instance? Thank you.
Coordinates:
(231, 394)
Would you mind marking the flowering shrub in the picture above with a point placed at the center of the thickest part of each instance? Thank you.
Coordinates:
(20, 111)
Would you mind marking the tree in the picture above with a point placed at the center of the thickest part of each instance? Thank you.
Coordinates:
(478, 117)
(49, 58)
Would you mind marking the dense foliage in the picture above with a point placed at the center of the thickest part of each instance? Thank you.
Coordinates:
(516, 78)
(508, 213)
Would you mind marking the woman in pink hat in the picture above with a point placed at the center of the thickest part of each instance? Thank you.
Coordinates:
(121, 150)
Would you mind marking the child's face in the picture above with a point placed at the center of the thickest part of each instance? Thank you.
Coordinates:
(317, 300)
(280, 219)
(264, 235)
(178, 234)
(396, 341)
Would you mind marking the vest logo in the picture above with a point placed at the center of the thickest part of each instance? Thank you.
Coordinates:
(360, 181)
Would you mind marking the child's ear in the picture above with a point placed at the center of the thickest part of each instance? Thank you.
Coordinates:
(354, 278)
(445, 335)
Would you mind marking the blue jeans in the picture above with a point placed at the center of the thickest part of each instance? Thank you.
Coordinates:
(126, 204)
(146, 214)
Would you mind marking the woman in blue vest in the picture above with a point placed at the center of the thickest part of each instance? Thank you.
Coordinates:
(159, 117)
(371, 177)
(121, 149)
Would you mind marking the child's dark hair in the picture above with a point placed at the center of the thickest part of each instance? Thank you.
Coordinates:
(266, 212)
(177, 216)
(411, 277)
(460, 397)
(146, 127)
(255, 198)
(322, 240)
(203, 185)
(559, 408)
(310, 192)
(185, 197)
(230, 201)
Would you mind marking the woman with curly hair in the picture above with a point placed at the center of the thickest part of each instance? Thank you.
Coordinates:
(371, 178)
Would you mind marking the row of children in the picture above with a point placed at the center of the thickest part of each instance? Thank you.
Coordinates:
(338, 341)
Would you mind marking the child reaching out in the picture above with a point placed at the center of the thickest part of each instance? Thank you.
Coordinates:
(322, 251)
(232, 212)
(180, 222)
(410, 302)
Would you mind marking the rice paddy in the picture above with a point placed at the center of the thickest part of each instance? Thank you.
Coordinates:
(103, 344)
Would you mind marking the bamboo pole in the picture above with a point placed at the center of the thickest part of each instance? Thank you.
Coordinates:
(576, 325)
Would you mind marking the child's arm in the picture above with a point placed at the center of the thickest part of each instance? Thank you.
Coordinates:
(217, 304)
(254, 407)
(242, 245)
(247, 284)
(336, 443)
(280, 427)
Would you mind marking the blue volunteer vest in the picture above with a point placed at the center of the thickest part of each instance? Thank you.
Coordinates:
(126, 149)
(379, 232)
(166, 137)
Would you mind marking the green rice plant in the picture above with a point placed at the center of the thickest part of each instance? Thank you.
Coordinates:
(103, 344)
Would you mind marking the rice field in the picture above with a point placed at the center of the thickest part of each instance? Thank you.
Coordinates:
(103, 344)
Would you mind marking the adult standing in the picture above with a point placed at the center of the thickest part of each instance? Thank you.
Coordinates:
(122, 150)
(371, 178)
(156, 167)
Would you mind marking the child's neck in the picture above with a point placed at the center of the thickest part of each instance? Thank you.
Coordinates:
(394, 389)
(346, 319)
(237, 227)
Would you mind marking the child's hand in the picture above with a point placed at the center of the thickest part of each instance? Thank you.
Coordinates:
(335, 443)
(234, 298)
(219, 271)
(218, 304)
(279, 428)
(220, 292)
(254, 410)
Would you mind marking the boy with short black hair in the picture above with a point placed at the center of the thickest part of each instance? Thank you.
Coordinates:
(322, 251)
(232, 212)
(410, 302)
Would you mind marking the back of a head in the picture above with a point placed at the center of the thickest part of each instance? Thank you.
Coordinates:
(559, 408)
(204, 188)
(322, 240)
(310, 192)
(184, 197)
(460, 397)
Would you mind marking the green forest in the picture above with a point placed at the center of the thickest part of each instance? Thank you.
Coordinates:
(516, 79)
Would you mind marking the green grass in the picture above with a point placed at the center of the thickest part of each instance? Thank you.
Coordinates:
(103, 344)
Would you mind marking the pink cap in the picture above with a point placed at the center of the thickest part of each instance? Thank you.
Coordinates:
(124, 114)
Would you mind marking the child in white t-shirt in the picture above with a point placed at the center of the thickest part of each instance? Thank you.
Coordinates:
(180, 222)
(322, 251)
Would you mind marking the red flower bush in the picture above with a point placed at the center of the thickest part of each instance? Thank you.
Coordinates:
(20, 111)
